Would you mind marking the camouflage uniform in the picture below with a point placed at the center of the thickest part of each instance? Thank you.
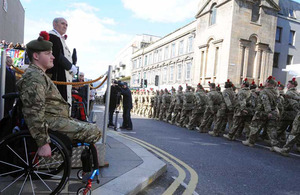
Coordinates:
(136, 102)
(187, 107)
(44, 108)
(172, 105)
(165, 104)
(266, 115)
(159, 102)
(200, 101)
(150, 104)
(145, 104)
(133, 102)
(178, 106)
(225, 113)
(214, 102)
(155, 100)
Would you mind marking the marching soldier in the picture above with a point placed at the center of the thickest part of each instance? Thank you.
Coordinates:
(166, 100)
(155, 100)
(151, 103)
(187, 107)
(214, 101)
(266, 114)
(159, 103)
(225, 113)
(172, 105)
(200, 101)
(178, 106)
(136, 102)
(241, 112)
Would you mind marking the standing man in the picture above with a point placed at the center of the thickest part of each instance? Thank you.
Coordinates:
(10, 84)
(63, 67)
(114, 101)
(127, 106)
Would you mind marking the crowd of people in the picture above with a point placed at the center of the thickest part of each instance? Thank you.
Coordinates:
(254, 112)
(10, 45)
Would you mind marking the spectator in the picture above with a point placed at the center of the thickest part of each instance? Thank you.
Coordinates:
(92, 98)
(83, 90)
(10, 84)
(114, 101)
(11, 45)
(18, 46)
(127, 106)
(63, 68)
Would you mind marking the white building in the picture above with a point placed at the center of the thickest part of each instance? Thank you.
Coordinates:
(287, 41)
(122, 65)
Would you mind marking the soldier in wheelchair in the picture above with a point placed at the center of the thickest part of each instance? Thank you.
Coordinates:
(38, 161)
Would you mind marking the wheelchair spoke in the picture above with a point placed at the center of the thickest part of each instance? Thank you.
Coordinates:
(10, 164)
(16, 154)
(43, 159)
(43, 181)
(31, 185)
(21, 190)
(42, 173)
(25, 146)
(12, 182)
(35, 155)
(15, 171)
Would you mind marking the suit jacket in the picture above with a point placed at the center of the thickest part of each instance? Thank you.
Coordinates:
(10, 87)
(127, 98)
(61, 63)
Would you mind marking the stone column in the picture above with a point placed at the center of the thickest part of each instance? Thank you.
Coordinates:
(257, 65)
(246, 60)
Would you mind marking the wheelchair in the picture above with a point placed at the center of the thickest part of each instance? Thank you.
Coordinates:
(78, 108)
(22, 171)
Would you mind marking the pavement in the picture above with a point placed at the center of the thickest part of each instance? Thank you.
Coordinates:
(131, 167)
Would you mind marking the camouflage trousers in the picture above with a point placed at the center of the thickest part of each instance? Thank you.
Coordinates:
(185, 117)
(149, 112)
(145, 110)
(270, 127)
(157, 111)
(163, 112)
(169, 113)
(175, 116)
(282, 128)
(294, 137)
(154, 111)
(196, 119)
(207, 121)
(239, 124)
(76, 130)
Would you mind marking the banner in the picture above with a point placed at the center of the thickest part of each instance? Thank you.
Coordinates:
(18, 56)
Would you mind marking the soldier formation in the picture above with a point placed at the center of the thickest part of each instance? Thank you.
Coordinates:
(254, 112)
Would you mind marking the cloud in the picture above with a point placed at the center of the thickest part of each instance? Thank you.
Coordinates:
(162, 11)
(95, 42)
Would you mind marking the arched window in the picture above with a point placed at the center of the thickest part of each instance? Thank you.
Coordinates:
(255, 11)
(213, 14)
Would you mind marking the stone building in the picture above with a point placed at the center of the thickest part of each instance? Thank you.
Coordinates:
(229, 39)
(12, 17)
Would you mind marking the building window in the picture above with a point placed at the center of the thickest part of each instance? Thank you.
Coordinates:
(150, 58)
(155, 56)
(173, 49)
(292, 38)
(140, 62)
(278, 34)
(171, 73)
(190, 44)
(134, 64)
(139, 77)
(165, 75)
(180, 47)
(213, 14)
(159, 55)
(166, 55)
(275, 60)
(255, 11)
(146, 60)
(188, 71)
(291, 13)
(179, 70)
(289, 60)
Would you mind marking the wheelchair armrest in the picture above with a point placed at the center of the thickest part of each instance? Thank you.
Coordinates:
(13, 95)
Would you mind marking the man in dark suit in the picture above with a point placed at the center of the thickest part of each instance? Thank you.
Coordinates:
(127, 106)
(10, 85)
(63, 67)
(114, 101)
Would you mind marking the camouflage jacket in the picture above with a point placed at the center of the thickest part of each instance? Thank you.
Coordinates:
(290, 104)
(267, 104)
(41, 102)
(229, 98)
(188, 103)
(166, 100)
(214, 100)
(243, 100)
(179, 101)
(200, 101)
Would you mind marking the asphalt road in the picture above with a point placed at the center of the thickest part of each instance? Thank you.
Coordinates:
(223, 167)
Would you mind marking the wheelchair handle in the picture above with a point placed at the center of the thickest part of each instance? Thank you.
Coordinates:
(12, 95)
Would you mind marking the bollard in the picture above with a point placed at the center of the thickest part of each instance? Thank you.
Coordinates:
(2, 82)
(107, 98)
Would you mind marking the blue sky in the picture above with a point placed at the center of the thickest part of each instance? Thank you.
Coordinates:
(100, 29)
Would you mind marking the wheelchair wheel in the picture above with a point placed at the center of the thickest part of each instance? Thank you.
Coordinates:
(22, 171)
